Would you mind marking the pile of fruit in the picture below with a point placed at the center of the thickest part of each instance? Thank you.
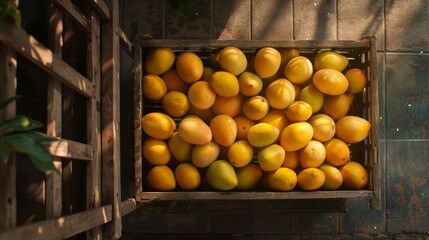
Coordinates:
(272, 120)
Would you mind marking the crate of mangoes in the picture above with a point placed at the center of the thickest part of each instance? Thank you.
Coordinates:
(250, 119)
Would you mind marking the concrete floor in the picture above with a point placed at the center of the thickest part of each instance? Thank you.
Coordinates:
(402, 32)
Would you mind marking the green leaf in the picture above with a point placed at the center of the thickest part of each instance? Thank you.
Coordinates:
(6, 101)
(35, 150)
(21, 123)
(4, 153)
(39, 137)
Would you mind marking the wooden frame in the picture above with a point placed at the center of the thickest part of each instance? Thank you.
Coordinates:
(365, 57)
(101, 90)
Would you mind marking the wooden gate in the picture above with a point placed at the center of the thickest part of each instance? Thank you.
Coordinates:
(101, 152)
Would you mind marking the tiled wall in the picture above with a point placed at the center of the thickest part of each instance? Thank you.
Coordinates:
(402, 32)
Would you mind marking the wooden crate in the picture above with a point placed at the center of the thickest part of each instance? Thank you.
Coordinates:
(361, 54)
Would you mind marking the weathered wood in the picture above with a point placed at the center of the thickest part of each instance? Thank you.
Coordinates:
(93, 188)
(68, 226)
(138, 74)
(7, 171)
(101, 8)
(126, 43)
(300, 44)
(73, 11)
(54, 119)
(161, 196)
(70, 149)
(29, 47)
(110, 107)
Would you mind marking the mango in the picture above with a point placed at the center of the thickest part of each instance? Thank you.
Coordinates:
(311, 179)
(158, 125)
(355, 176)
(312, 155)
(291, 159)
(250, 84)
(277, 118)
(179, 148)
(337, 106)
(299, 111)
(156, 151)
(330, 59)
(224, 130)
(280, 93)
(173, 81)
(205, 114)
(189, 66)
(337, 152)
(256, 107)
(233, 60)
(224, 84)
(286, 55)
(323, 127)
(153, 87)
(230, 106)
(248, 176)
(262, 134)
(175, 104)
(221, 175)
(240, 153)
(187, 176)
(201, 95)
(299, 70)
(243, 126)
(333, 177)
(296, 136)
(357, 80)
(203, 155)
(159, 61)
(352, 129)
(313, 96)
(283, 179)
(271, 157)
(330, 81)
(194, 130)
(207, 74)
(267, 62)
(161, 178)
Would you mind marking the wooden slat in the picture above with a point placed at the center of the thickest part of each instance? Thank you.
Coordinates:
(68, 7)
(93, 187)
(70, 149)
(101, 7)
(8, 171)
(29, 47)
(110, 146)
(68, 226)
(166, 196)
(126, 43)
(189, 43)
(54, 118)
(375, 134)
(138, 74)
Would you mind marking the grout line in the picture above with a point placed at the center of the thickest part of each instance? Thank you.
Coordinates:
(211, 19)
(405, 140)
(251, 21)
(293, 19)
(164, 18)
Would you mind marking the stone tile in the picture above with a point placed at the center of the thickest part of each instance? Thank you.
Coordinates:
(143, 17)
(232, 222)
(360, 217)
(273, 222)
(407, 96)
(407, 25)
(187, 223)
(188, 19)
(359, 18)
(407, 186)
(231, 19)
(315, 223)
(315, 20)
(272, 20)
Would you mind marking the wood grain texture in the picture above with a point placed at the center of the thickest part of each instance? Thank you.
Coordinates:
(33, 50)
(272, 20)
(231, 19)
(110, 110)
(101, 8)
(73, 11)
